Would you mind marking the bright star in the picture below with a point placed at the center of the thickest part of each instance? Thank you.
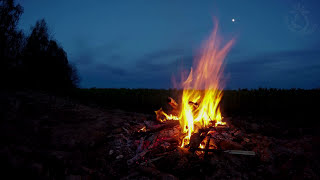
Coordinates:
(233, 20)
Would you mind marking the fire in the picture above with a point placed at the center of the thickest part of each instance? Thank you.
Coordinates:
(162, 116)
(202, 89)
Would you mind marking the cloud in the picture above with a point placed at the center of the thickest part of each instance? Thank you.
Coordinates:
(284, 69)
(283, 60)
(86, 54)
(166, 53)
(103, 76)
(83, 59)
(163, 63)
(153, 70)
(110, 69)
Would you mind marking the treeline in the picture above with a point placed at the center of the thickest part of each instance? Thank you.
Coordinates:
(33, 61)
(293, 107)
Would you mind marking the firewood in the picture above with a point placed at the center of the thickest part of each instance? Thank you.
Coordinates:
(195, 141)
(172, 103)
(221, 128)
(165, 125)
(156, 128)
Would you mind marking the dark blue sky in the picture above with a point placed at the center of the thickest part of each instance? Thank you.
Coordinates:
(141, 44)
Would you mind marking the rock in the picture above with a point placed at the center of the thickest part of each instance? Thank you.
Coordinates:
(119, 157)
(110, 152)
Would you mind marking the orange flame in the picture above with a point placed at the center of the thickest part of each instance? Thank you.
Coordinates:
(202, 90)
(162, 116)
(203, 87)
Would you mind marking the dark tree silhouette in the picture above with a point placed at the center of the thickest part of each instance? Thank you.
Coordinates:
(36, 61)
(46, 62)
(11, 41)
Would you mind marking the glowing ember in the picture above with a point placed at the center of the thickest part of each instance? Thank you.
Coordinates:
(202, 90)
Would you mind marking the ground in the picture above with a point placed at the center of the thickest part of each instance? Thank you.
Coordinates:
(45, 136)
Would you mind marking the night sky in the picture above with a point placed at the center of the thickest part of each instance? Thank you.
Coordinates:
(142, 44)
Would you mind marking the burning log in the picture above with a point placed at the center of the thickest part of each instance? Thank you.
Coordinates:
(220, 128)
(162, 116)
(165, 125)
(195, 140)
(202, 93)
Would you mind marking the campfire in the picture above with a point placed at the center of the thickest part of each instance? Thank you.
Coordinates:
(199, 112)
(192, 131)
